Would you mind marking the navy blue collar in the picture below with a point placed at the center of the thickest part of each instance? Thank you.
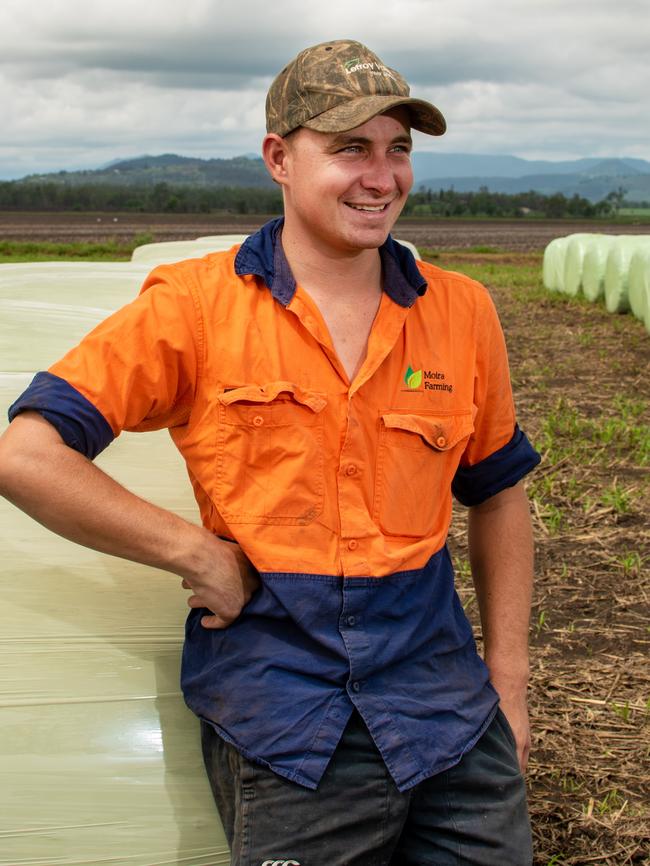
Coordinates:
(261, 254)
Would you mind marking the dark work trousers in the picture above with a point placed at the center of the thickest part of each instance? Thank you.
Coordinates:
(474, 813)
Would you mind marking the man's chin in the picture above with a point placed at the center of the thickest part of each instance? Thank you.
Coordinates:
(370, 239)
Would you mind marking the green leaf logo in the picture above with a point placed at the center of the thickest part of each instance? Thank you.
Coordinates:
(413, 378)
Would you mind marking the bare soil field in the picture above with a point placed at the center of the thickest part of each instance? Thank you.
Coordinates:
(582, 386)
(513, 235)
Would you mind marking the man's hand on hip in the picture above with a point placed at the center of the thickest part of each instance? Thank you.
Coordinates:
(223, 583)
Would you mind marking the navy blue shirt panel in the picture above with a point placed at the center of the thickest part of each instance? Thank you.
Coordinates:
(398, 648)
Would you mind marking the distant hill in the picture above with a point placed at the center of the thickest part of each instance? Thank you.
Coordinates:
(592, 178)
(448, 165)
(167, 168)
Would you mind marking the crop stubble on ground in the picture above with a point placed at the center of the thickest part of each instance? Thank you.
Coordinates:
(582, 386)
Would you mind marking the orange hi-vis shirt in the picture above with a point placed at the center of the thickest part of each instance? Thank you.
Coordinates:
(313, 475)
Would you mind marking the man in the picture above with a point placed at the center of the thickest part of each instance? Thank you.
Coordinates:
(327, 393)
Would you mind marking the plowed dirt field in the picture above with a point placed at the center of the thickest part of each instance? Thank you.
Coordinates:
(513, 235)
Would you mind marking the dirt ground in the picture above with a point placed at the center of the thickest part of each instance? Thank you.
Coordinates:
(582, 387)
(581, 379)
(513, 235)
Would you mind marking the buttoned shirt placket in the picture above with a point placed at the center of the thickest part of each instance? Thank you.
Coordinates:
(352, 510)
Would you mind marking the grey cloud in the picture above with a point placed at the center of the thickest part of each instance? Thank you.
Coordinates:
(97, 81)
(216, 43)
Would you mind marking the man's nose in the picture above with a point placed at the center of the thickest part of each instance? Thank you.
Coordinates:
(379, 175)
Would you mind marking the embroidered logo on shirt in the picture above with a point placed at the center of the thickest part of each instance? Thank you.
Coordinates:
(413, 378)
(426, 380)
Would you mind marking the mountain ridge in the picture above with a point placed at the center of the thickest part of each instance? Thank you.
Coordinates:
(590, 177)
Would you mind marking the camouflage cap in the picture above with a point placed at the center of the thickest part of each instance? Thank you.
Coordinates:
(336, 86)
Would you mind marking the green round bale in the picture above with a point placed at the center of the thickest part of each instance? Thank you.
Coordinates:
(593, 267)
(639, 283)
(617, 269)
(553, 267)
(577, 247)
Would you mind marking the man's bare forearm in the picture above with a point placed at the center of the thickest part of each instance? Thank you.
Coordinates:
(501, 555)
(71, 496)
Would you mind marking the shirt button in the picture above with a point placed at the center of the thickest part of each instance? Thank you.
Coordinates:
(258, 420)
(350, 469)
(353, 544)
(356, 687)
(441, 441)
(351, 620)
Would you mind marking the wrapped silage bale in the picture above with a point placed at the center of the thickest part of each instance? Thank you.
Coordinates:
(54, 304)
(576, 249)
(223, 242)
(593, 267)
(100, 759)
(553, 267)
(409, 246)
(639, 283)
(617, 271)
(99, 284)
(168, 252)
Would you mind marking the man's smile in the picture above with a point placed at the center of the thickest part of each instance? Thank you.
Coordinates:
(368, 208)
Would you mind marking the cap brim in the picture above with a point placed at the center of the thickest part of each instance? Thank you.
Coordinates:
(425, 117)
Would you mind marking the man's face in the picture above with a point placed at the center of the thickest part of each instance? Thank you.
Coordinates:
(345, 190)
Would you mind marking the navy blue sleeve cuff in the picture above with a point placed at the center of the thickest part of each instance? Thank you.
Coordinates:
(79, 423)
(474, 484)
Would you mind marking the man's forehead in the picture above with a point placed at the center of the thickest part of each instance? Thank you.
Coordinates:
(400, 115)
(393, 124)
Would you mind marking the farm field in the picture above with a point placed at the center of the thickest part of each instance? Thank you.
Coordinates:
(512, 235)
(582, 386)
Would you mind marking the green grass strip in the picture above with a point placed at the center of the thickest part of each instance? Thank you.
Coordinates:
(88, 251)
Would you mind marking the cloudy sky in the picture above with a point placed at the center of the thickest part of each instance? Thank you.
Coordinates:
(84, 82)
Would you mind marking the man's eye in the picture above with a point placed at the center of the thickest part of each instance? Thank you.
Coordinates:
(351, 148)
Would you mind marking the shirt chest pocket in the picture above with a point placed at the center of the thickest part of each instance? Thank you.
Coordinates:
(417, 457)
(270, 454)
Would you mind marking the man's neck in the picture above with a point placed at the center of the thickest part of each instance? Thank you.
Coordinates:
(321, 270)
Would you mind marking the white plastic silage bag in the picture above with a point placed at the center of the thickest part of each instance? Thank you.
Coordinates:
(577, 247)
(593, 267)
(617, 271)
(639, 283)
(168, 252)
(553, 267)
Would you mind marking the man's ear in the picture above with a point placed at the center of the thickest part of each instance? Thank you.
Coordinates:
(275, 151)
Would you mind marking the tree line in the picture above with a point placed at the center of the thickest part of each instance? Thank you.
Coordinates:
(166, 198)
(449, 203)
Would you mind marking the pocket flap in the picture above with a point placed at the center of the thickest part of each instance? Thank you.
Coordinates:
(441, 432)
(269, 392)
